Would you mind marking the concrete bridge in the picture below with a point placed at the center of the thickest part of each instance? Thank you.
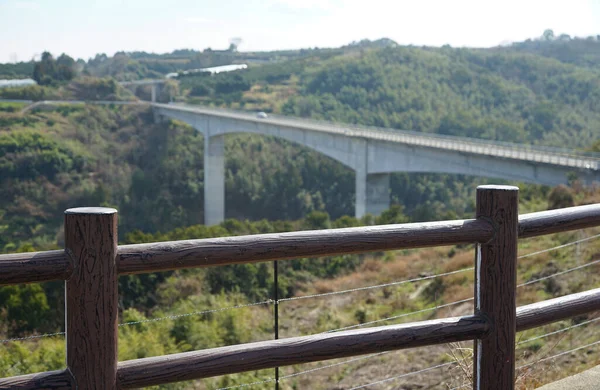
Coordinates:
(156, 85)
(373, 153)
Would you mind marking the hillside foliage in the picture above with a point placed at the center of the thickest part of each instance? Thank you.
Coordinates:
(544, 92)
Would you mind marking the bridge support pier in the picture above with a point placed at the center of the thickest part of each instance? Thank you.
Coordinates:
(214, 179)
(154, 93)
(372, 193)
(378, 193)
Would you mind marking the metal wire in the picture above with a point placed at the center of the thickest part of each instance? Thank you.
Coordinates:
(559, 273)
(246, 384)
(559, 246)
(196, 313)
(333, 365)
(558, 331)
(404, 375)
(558, 355)
(377, 286)
(460, 387)
(32, 337)
(304, 372)
(401, 315)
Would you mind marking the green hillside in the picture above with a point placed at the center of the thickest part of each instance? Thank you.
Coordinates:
(544, 92)
(500, 95)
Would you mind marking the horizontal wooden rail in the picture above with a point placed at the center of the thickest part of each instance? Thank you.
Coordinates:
(140, 258)
(33, 267)
(268, 354)
(561, 220)
(557, 309)
(305, 349)
(164, 256)
(60, 379)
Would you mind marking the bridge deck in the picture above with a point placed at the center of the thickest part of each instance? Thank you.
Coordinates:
(538, 154)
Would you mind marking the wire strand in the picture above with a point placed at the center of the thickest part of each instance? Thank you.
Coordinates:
(460, 387)
(32, 337)
(558, 355)
(376, 286)
(559, 273)
(197, 313)
(247, 384)
(558, 331)
(405, 375)
(333, 365)
(559, 246)
(304, 372)
(401, 315)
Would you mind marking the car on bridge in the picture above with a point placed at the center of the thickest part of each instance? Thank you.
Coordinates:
(262, 115)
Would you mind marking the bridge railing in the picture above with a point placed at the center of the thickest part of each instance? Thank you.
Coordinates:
(92, 261)
(538, 153)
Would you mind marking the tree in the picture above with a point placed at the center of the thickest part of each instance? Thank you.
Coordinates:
(234, 43)
(560, 197)
(548, 35)
(50, 71)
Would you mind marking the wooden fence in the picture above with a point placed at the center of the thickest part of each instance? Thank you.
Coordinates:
(92, 261)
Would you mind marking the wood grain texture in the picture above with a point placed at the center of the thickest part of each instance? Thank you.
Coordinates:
(561, 220)
(164, 256)
(557, 309)
(268, 354)
(495, 288)
(91, 298)
(43, 380)
(34, 267)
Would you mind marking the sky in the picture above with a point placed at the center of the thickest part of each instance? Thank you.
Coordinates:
(82, 28)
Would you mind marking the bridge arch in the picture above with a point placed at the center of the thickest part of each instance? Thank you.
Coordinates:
(373, 154)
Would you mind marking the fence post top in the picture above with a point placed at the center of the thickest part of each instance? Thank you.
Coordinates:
(91, 210)
(492, 187)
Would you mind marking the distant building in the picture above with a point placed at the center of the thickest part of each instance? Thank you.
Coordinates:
(17, 83)
(214, 69)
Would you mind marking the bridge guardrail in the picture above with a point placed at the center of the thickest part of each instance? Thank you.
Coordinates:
(535, 153)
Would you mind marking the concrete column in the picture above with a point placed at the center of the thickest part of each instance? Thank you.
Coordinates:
(214, 179)
(378, 193)
(154, 87)
(358, 149)
(157, 117)
(372, 190)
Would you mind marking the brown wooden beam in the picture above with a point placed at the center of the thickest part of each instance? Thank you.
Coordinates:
(557, 221)
(140, 258)
(211, 252)
(34, 267)
(495, 289)
(557, 309)
(284, 352)
(56, 380)
(92, 297)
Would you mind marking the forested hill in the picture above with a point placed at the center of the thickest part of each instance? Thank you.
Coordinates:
(52, 160)
(578, 51)
(502, 94)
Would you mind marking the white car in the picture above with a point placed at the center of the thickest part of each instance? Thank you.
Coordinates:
(262, 115)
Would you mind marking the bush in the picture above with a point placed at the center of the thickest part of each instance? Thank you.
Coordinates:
(560, 197)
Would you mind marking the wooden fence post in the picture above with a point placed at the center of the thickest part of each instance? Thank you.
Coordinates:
(495, 288)
(91, 297)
